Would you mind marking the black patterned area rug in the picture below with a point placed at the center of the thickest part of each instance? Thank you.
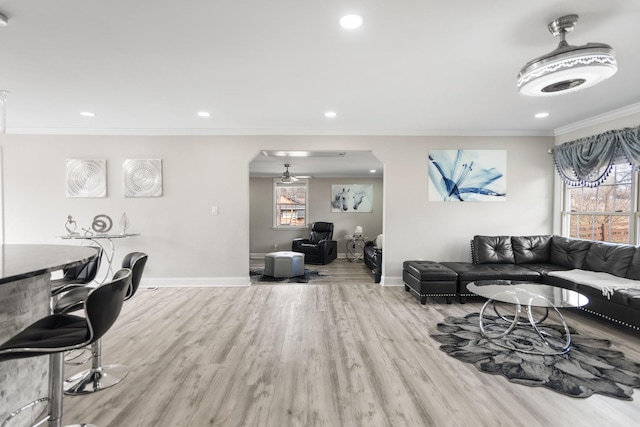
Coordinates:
(257, 276)
(589, 367)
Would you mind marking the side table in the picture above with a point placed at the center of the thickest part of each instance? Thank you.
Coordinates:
(355, 247)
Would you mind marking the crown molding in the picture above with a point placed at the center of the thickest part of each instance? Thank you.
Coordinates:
(272, 132)
(599, 119)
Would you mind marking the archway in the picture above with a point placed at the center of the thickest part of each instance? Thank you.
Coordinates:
(324, 170)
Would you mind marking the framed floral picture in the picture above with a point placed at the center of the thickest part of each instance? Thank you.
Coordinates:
(467, 175)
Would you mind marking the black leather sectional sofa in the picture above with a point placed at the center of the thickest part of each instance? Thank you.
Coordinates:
(609, 274)
(373, 259)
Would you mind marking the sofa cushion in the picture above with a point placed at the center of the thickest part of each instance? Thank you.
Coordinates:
(624, 296)
(561, 283)
(531, 249)
(545, 268)
(493, 250)
(634, 300)
(426, 271)
(568, 252)
(605, 282)
(609, 257)
(468, 272)
(634, 266)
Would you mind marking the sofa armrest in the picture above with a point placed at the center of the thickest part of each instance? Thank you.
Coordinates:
(327, 244)
(373, 260)
(297, 243)
(377, 271)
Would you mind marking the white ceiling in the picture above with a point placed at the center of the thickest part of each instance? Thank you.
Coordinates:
(415, 67)
(352, 164)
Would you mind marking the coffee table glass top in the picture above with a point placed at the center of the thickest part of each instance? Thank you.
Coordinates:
(527, 293)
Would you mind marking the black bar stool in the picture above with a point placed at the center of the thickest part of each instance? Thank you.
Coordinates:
(99, 376)
(135, 261)
(57, 333)
(77, 276)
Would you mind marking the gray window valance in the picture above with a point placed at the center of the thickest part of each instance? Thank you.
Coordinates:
(588, 161)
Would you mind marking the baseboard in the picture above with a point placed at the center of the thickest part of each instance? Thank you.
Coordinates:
(257, 255)
(227, 282)
(391, 281)
(196, 282)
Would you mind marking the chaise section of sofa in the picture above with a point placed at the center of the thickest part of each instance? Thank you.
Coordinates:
(607, 273)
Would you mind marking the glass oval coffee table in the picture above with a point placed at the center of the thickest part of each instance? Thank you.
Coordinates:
(539, 300)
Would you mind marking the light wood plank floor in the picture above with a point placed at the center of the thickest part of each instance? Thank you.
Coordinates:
(340, 351)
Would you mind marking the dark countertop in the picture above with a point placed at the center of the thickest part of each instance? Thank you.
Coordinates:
(21, 261)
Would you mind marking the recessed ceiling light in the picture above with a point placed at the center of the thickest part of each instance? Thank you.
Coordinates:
(330, 114)
(351, 22)
(541, 115)
(87, 114)
(204, 114)
(372, 171)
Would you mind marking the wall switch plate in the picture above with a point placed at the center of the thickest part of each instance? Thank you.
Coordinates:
(214, 210)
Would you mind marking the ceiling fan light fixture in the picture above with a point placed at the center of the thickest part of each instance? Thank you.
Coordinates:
(567, 68)
(287, 178)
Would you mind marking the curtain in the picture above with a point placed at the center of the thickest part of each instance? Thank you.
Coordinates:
(588, 161)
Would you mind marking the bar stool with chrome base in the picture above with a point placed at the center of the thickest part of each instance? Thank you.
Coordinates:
(99, 376)
(57, 333)
(135, 261)
(77, 276)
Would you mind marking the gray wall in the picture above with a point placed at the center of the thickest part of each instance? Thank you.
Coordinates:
(264, 238)
(189, 246)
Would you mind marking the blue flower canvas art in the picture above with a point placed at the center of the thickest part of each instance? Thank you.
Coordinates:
(467, 175)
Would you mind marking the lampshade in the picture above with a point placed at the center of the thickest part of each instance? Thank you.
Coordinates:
(568, 68)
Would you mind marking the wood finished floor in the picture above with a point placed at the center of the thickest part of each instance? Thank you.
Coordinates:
(340, 351)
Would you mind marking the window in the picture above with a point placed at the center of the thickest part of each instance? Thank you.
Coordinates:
(605, 213)
(290, 204)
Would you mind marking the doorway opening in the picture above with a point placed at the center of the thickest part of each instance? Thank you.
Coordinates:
(324, 172)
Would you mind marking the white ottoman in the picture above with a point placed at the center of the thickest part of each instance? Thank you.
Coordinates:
(284, 264)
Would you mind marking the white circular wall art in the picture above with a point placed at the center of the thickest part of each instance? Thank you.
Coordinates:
(86, 178)
(142, 177)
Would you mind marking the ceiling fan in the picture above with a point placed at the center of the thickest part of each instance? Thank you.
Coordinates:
(286, 176)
